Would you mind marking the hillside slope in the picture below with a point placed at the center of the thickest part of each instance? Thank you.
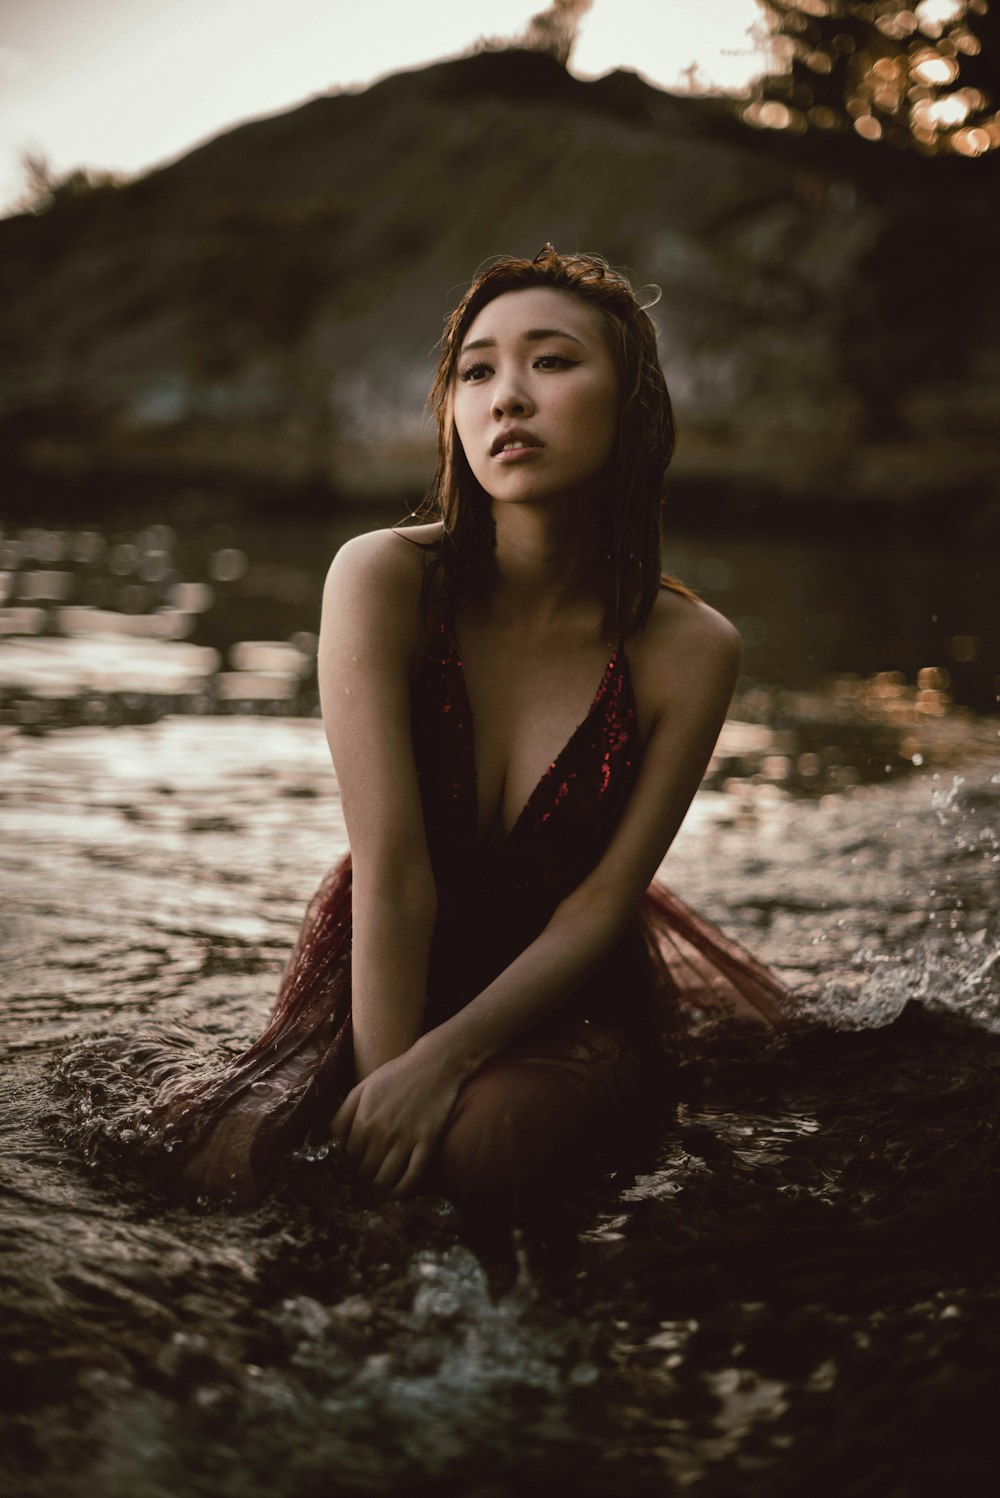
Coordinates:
(266, 307)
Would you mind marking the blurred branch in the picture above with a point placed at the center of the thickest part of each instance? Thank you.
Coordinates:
(924, 76)
(44, 188)
(552, 31)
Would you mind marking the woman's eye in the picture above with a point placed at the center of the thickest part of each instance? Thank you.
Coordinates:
(474, 374)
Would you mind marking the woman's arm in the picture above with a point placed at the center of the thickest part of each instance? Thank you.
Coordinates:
(588, 923)
(369, 627)
(391, 1122)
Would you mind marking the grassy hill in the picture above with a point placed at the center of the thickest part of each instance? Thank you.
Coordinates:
(265, 308)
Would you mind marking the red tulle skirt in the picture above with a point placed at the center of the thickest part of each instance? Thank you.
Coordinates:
(537, 1113)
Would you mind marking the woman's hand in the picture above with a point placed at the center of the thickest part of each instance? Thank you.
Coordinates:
(390, 1122)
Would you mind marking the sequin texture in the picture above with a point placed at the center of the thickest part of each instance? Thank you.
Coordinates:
(504, 887)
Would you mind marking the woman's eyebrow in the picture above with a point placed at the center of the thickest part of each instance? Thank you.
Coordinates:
(532, 335)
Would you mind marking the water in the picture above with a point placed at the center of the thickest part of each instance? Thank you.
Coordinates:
(212, 582)
(793, 1290)
(794, 1286)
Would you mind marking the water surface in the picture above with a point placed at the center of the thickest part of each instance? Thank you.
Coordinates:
(793, 1291)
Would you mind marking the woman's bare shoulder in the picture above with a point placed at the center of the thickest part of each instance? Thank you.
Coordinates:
(396, 556)
(679, 617)
(687, 647)
(383, 568)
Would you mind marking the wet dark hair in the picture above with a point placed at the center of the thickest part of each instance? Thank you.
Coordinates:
(627, 522)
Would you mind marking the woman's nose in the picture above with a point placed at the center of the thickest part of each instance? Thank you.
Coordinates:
(511, 400)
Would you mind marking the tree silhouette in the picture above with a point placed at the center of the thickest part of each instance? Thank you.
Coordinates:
(44, 188)
(554, 30)
(921, 75)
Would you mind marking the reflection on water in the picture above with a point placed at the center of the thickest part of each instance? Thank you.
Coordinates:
(799, 1274)
(796, 1276)
(860, 660)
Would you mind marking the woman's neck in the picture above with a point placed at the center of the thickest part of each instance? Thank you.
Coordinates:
(547, 564)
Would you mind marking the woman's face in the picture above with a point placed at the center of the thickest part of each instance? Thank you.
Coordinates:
(535, 396)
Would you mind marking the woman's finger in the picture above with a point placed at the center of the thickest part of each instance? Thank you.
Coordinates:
(340, 1124)
(392, 1167)
(419, 1160)
(370, 1157)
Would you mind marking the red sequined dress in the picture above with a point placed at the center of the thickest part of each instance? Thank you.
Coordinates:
(541, 1107)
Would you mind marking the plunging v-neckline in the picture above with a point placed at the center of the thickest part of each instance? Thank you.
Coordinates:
(497, 832)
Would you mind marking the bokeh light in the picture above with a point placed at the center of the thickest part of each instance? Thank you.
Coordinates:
(889, 73)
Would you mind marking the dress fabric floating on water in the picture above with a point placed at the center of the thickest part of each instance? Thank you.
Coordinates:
(543, 1106)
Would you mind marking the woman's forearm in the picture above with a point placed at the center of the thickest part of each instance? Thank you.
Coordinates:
(585, 927)
(577, 938)
(392, 1119)
(393, 924)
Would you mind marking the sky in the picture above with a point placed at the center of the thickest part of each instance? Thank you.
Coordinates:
(122, 85)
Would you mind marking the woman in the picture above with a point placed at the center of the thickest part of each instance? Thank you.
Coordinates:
(478, 991)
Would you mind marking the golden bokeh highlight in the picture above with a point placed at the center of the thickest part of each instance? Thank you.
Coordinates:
(899, 74)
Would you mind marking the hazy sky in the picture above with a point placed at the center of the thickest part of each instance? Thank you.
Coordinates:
(123, 84)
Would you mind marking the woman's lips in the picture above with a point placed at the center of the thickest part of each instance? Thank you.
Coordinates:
(514, 442)
(517, 454)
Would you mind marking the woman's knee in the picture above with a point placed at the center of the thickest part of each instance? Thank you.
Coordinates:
(513, 1130)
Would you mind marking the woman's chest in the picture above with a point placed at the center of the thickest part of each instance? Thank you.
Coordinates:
(526, 702)
(547, 808)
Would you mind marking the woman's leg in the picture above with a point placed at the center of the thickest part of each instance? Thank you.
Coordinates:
(538, 1116)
